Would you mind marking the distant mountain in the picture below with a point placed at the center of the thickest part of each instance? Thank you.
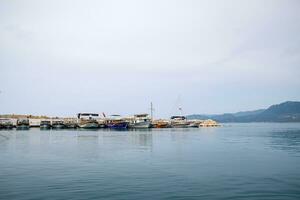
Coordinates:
(285, 112)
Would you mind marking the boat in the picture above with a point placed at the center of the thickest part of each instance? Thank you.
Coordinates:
(58, 124)
(22, 124)
(6, 123)
(160, 123)
(116, 122)
(70, 123)
(194, 123)
(209, 123)
(179, 122)
(45, 124)
(88, 120)
(139, 121)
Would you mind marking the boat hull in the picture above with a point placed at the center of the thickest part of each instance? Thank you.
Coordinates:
(193, 125)
(102, 126)
(45, 126)
(89, 125)
(58, 126)
(162, 126)
(71, 126)
(120, 125)
(140, 125)
(179, 125)
(6, 126)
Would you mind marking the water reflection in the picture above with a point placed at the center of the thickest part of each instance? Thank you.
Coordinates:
(143, 140)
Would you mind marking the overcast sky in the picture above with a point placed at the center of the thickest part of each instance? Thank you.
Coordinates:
(63, 57)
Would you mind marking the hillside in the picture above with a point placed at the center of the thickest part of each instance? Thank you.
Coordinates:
(285, 112)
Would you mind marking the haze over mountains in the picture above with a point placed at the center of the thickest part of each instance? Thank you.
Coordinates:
(284, 112)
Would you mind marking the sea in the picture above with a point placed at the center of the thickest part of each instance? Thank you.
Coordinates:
(234, 161)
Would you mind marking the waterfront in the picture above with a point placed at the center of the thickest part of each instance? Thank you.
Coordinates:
(234, 161)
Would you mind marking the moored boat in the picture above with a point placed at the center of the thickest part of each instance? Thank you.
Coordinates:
(179, 122)
(139, 121)
(209, 123)
(6, 123)
(116, 122)
(194, 123)
(160, 123)
(88, 120)
(45, 124)
(22, 124)
(58, 124)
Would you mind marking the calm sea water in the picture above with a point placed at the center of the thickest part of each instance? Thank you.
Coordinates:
(236, 161)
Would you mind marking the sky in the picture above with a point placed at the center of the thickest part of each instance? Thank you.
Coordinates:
(61, 57)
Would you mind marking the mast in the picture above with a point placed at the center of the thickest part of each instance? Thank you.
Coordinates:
(151, 109)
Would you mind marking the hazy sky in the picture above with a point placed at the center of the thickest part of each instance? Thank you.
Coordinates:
(63, 57)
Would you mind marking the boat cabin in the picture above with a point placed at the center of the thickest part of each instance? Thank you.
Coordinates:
(24, 121)
(178, 118)
(87, 116)
(45, 122)
(5, 121)
(141, 115)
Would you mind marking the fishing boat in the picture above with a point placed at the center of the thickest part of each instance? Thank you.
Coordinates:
(22, 124)
(139, 121)
(116, 122)
(6, 123)
(179, 122)
(45, 124)
(88, 120)
(58, 124)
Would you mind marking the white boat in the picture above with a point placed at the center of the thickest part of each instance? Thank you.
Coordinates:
(179, 122)
(209, 123)
(88, 120)
(139, 121)
(194, 123)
